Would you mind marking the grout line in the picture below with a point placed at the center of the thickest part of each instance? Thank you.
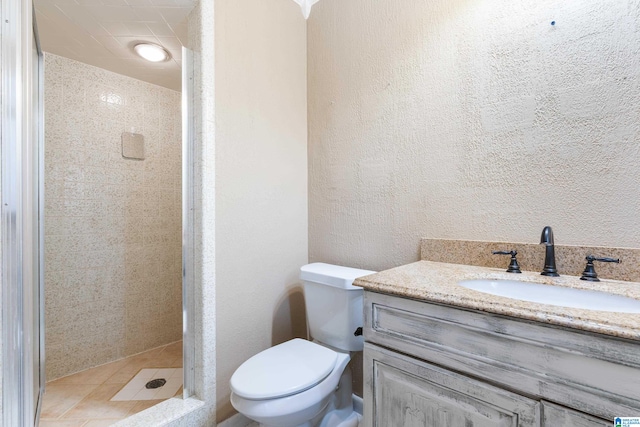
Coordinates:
(65, 412)
(167, 345)
(80, 401)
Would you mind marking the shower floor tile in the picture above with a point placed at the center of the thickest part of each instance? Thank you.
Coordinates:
(84, 399)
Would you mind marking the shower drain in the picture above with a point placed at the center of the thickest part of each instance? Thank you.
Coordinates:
(157, 383)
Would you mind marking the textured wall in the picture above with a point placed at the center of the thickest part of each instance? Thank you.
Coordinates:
(471, 120)
(261, 180)
(113, 225)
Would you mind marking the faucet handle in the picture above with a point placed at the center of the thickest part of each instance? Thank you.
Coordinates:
(589, 272)
(513, 266)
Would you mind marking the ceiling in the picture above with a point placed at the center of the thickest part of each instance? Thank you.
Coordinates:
(102, 33)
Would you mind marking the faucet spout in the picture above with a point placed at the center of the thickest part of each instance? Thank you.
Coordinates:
(546, 238)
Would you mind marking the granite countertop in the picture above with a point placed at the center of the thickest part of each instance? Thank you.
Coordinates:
(437, 282)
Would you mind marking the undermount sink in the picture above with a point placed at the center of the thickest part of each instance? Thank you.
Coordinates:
(554, 295)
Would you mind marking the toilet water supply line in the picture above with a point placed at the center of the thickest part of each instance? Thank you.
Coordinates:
(305, 5)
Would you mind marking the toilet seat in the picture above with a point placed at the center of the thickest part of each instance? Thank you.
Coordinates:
(284, 370)
(297, 409)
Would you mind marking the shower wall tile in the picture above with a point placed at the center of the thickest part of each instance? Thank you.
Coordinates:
(112, 225)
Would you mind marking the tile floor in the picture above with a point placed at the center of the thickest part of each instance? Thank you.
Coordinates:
(83, 399)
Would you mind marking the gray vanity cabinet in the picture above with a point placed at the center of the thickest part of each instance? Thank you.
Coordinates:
(559, 416)
(411, 393)
(433, 365)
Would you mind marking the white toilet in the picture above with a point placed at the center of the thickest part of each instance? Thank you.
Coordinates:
(308, 384)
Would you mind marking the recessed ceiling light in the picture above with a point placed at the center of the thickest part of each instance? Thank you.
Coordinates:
(151, 52)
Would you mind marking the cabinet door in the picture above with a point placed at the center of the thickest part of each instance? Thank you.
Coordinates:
(559, 416)
(404, 392)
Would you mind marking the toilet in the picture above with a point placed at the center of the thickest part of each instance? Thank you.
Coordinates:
(304, 383)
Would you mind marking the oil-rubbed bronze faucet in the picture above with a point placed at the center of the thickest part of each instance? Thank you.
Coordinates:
(513, 267)
(589, 272)
(550, 254)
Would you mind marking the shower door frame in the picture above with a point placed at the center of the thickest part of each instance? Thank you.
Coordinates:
(188, 223)
(21, 217)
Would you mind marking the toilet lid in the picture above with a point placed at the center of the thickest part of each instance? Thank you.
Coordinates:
(283, 370)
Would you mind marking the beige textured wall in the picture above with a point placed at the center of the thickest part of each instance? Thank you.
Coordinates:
(113, 225)
(471, 120)
(261, 180)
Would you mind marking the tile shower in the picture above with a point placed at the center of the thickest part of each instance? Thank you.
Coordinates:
(112, 225)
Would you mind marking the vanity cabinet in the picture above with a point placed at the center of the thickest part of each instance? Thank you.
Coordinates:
(408, 392)
(559, 416)
(434, 365)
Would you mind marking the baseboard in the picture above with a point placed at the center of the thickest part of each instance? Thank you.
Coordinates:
(238, 420)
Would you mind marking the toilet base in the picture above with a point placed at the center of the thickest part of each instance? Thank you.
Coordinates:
(332, 419)
(352, 420)
(339, 409)
(338, 420)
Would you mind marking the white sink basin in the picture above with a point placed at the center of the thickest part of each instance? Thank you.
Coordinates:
(554, 295)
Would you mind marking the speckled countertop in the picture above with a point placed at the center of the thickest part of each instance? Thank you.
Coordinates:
(438, 282)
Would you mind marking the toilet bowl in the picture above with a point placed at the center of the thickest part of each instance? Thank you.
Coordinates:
(296, 409)
(302, 383)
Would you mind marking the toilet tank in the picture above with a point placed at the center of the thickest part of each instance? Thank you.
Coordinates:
(334, 305)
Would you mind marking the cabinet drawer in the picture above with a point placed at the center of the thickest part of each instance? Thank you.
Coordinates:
(408, 392)
(558, 416)
(593, 374)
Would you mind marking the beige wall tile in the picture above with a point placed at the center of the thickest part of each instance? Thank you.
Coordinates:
(111, 242)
